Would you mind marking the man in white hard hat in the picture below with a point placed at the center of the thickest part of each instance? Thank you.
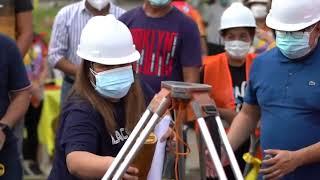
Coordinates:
(283, 91)
(65, 36)
(228, 72)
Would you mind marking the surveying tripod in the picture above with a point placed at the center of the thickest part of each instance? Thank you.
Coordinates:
(191, 96)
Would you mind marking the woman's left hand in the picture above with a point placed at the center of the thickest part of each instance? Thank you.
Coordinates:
(282, 163)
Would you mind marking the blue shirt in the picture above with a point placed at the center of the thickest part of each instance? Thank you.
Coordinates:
(288, 94)
(12, 72)
(82, 128)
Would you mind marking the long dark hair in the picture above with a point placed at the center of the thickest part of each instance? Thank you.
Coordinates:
(134, 101)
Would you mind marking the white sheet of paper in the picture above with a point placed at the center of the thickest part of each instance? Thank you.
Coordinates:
(161, 128)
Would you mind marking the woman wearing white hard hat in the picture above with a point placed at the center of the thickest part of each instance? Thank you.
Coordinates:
(105, 104)
(264, 39)
(228, 72)
(283, 94)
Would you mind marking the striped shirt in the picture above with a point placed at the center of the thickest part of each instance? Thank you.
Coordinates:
(66, 31)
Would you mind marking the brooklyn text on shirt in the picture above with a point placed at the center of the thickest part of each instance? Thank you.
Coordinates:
(120, 135)
(157, 49)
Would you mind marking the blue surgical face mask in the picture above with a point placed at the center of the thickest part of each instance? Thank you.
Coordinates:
(159, 2)
(114, 83)
(293, 45)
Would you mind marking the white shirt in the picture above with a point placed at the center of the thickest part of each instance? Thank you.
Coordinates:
(66, 31)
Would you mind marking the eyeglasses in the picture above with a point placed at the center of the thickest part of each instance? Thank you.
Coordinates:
(295, 34)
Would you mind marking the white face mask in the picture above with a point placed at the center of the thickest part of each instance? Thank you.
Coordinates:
(98, 4)
(237, 49)
(259, 11)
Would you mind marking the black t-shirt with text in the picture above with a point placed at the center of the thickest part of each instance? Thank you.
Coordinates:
(238, 76)
(82, 128)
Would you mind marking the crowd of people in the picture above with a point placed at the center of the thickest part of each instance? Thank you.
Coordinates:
(261, 58)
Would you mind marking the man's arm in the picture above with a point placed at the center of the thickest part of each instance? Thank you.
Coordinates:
(191, 74)
(190, 54)
(67, 67)
(308, 155)
(24, 31)
(243, 124)
(19, 104)
(18, 86)
(227, 114)
(59, 45)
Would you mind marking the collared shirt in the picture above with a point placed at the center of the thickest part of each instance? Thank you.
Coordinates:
(66, 31)
(288, 94)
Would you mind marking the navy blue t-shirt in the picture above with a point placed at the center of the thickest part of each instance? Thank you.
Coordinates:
(82, 128)
(12, 72)
(166, 44)
(288, 94)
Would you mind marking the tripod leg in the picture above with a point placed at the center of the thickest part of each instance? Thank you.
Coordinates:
(211, 148)
(119, 158)
(136, 146)
(232, 158)
(213, 129)
(141, 138)
(202, 147)
(209, 142)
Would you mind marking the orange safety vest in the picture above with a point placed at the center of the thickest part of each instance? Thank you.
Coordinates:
(7, 18)
(217, 74)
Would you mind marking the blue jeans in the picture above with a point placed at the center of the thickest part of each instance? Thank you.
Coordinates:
(9, 158)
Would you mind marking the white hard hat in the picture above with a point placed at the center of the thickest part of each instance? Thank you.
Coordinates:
(237, 15)
(107, 41)
(289, 15)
